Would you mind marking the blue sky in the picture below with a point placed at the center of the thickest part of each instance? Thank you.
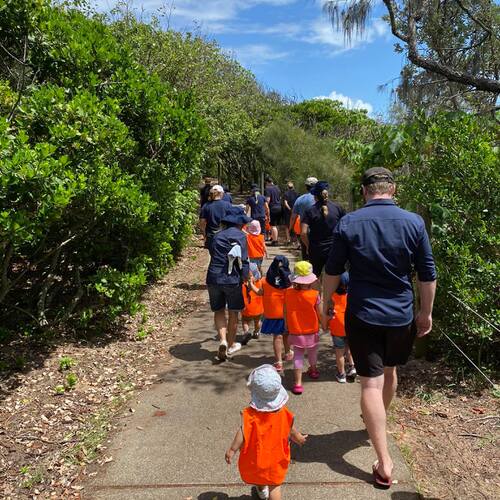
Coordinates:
(291, 47)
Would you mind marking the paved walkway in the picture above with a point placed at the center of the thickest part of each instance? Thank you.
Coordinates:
(173, 446)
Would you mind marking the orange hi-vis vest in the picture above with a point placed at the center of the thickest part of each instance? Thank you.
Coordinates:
(300, 307)
(265, 453)
(274, 299)
(256, 246)
(337, 323)
(254, 304)
(296, 226)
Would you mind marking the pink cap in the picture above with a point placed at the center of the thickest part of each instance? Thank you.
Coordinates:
(254, 227)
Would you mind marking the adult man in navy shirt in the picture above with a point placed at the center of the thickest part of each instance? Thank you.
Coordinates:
(384, 245)
(225, 276)
(212, 213)
(273, 198)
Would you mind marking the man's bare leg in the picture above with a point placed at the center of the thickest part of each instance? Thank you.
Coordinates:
(221, 324)
(232, 327)
(390, 385)
(374, 416)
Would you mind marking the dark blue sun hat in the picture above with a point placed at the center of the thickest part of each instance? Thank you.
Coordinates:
(236, 216)
(319, 187)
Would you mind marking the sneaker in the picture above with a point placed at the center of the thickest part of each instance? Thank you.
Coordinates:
(222, 353)
(263, 492)
(234, 348)
(341, 378)
(351, 371)
(297, 389)
(246, 339)
(279, 368)
(256, 335)
(313, 373)
(289, 355)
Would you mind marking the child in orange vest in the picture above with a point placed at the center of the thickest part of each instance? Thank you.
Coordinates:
(277, 280)
(267, 424)
(337, 331)
(254, 305)
(303, 318)
(256, 244)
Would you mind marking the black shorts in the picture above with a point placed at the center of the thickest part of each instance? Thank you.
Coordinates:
(375, 347)
(275, 216)
(287, 215)
(222, 296)
(318, 258)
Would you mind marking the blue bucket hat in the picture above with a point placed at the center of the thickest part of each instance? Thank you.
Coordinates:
(268, 393)
(278, 274)
(236, 216)
(319, 187)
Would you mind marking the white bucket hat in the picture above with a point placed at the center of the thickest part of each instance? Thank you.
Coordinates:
(268, 394)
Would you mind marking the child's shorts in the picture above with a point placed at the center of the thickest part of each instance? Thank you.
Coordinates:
(273, 326)
(339, 342)
(257, 261)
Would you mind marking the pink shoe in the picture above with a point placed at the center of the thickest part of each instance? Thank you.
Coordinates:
(313, 373)
(297, 389)
(289, 355)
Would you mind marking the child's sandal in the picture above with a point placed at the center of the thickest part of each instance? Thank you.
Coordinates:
(297, 389)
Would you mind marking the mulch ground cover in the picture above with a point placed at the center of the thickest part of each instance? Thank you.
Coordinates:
(448, 432)
(54, 419)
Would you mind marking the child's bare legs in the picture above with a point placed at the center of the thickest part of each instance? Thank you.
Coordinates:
(274, 492)
(286, 344)
(348, 356)
(312, 357)
(245, 324)
(339, 356)
(256, 324)
(278, 348)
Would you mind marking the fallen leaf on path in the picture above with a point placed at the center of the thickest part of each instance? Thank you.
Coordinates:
(159, 413)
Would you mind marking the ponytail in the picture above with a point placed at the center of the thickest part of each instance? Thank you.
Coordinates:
(324, 202)
(256, 194)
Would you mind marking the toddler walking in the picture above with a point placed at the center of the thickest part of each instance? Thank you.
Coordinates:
(256, 244)
(337, 331)
(303, 313)
(254, 306)
(273, 290)
(267, 425)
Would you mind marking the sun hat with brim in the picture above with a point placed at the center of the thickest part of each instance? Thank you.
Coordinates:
(267, 391)
(254, 227)
(254, 269)
(377, 174)
(319, 187)
(236, 219)
(217, 189)
(303, 274)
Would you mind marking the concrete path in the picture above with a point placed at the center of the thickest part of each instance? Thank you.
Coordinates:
(172, 446)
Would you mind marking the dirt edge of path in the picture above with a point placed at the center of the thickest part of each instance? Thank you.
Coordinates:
(47, 439)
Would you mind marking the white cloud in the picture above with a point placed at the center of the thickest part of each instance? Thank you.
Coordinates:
(256, 54)
(348, 102)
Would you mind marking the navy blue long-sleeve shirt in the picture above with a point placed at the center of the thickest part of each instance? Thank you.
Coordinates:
(221, 245)
(384, 244)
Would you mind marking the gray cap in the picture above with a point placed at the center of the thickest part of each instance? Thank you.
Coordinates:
(377, 174)
(311, 181)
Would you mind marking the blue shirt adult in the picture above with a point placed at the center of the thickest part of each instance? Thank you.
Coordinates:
(227, 197)
(257, 206)
(384, 244)
(213, 212)
(302, 203)
(222, 243)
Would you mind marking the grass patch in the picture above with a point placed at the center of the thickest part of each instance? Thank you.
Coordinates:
(30, 477)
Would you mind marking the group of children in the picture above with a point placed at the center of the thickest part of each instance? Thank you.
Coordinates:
(288, 307)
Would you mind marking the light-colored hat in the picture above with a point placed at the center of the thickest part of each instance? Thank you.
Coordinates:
(268, 394)
(311, 181)
(217, 189)
(254, 227)
(254, 269)
(302, 273)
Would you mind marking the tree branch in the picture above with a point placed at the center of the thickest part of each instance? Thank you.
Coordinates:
(475, 19)
(394, 25)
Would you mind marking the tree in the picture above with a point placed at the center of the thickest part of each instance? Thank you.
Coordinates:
(452, 47)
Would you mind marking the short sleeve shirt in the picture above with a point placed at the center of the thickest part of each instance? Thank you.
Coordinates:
(290, 196)
(384, 245)
(213, 212)
(320, 227)
(257, 207)
(302, 203)
(274, 194)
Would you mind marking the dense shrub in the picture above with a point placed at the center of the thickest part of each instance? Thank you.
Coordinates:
(98, 159)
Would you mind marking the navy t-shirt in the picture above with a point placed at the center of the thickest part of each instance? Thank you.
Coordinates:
(384, 244)
(274, 194)
(257, 207)
(227, 197)
(321, 228)
(290, 195)
(214, 212)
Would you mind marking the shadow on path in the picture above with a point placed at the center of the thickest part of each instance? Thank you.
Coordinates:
(214, 495)
(330, 450)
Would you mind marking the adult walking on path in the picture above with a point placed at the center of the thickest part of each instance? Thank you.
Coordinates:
(273, 198)
(289, 198)
(212, 213)
(383, 245)
(257, 207)
(227, 270)
(317, 227)
(302, 203)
